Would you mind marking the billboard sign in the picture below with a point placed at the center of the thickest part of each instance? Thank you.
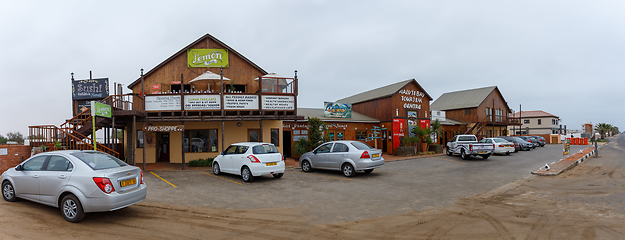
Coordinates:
(202, 58)
(440, 115)
(337, 110)
(90, 89)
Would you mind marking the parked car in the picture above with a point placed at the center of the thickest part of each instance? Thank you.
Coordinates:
(531, 140)
(347, 156)
(522, 144)
(541, 140)
(467, 146)
(77, 182)
(249, 160)
(502, 146)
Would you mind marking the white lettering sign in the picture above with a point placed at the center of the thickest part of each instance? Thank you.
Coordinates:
(278, 102)
(241, 102)
(412, 98)
(162, 103)
(4, 151)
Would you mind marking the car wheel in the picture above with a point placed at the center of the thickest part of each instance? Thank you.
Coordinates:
(485, 156)
(72, 209)
(348, 170)
(216, 169)
(306, 166)
(368, 170)
(278, 175)
(246, 174)
(449, 153)
(8, 192)
(463, 155)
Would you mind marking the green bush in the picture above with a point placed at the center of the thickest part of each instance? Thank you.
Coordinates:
(201, 163)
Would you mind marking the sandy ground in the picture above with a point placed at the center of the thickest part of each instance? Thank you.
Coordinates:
(587, 202)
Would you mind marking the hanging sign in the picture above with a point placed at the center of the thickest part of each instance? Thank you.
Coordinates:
(100, 109)
(241, 102)
(201, 58)
(176, 128)
(278, 102)
(202, 102)
(162, 103)
(337, 110)
(90, 89)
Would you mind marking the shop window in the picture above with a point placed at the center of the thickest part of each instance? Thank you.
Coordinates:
(339, 136)
(236, 88)
(526, 121)
(200, 140)
(253, 135)
(539, 121)
(275, 136)
(176, 88)
(139, 139)
(361, 135)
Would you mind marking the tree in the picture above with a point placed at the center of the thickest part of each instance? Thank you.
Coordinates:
(3, 140)
(316, 127)
(603, 128)
(422, 135)
(15, 136)
(436, 127)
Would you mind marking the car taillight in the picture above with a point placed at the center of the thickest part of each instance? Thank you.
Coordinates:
(141, 177)
(365, 154)
(253, 159)
(283, 158)
(499, 145)
(494, 145)
(470, 147)
(104, 184)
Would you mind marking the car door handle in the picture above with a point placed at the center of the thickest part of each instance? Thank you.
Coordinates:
(62, 176)
(35, 176)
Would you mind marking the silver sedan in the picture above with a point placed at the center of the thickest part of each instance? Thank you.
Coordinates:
(75, 181)
(347, 156)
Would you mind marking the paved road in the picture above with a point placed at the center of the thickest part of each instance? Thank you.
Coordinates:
(328, 197)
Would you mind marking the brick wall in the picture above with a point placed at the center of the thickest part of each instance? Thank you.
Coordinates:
(14, 156)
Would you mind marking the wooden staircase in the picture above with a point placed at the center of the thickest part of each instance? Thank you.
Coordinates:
(476, 128)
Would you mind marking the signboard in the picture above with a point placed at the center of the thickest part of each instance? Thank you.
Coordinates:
(278, 102)
(162, 103)
(90, 89)
(412, 122)
(440, 115)
(100, 109)
(424, 123)
(156, 88)
(83, 105)
(202, 102)
(201, 58)
(4, 151)
(566, 146)
(398, 131)
(176, 128)
(337, 110)
(241, 102)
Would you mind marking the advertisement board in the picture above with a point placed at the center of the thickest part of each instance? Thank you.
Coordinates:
(440, 115)
(278, 102)
(90, 89)
(201, 58)
(100, 109)
(202, 102)
(398, 131)
(241, 102)
(337, 110)
(162, 103)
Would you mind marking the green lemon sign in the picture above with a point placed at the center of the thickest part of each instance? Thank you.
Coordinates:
(207, 58)
(100, 109)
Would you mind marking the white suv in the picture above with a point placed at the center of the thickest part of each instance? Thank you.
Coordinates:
(249, 160)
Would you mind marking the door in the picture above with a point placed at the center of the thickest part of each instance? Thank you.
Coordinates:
(384, 143)
(286, 141)
(335, 158)
(54, 178)
(163, 147)
(27, 180)
(318, 158)
(228, 159)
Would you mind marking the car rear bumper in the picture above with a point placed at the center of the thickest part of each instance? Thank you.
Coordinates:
(114, 201)
(365, 164)
(504, 150)
(260, 169)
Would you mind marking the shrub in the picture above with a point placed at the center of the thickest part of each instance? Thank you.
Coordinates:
(201, 163)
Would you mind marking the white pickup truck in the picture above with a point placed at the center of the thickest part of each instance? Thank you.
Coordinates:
(467, 146)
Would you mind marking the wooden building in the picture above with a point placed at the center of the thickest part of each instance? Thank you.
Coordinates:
(482, 111)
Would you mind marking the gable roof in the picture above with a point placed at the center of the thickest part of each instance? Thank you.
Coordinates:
(531, 114)
(463, 99)
(318, 113)
(184, 50)
(380, 92)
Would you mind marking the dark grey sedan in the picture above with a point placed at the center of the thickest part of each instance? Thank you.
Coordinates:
(347, 156)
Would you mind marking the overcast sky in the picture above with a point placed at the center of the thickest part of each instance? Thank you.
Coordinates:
(563, 57)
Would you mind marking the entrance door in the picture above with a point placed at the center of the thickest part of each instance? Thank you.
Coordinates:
(286, 143)
(384, 139)
(163, 147)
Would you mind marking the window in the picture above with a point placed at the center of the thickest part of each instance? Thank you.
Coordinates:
(361, 135)
(339, 136)
(58, 163)
(467, 112)
(99, 160)
(526, 121)
(339, 147)
(489, 113)
(539, 121)
(325, 148)
(275, 136)
(253, 135)
(139, 139)
(232, 149)
(34, 164)
(361, 146)
(200, 140)
(264, 149)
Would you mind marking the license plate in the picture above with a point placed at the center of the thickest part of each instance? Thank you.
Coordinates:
(272, 164)
(128, 182)
(481, 152)
(375, 155)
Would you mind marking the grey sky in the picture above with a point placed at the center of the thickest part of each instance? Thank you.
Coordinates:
(563, 57)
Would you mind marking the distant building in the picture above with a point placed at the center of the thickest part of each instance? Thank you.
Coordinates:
(535, 122)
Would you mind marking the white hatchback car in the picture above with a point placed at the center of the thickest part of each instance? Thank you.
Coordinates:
(502, 146)
(249, 160)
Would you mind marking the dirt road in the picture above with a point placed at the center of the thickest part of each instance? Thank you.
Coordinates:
(587, 202)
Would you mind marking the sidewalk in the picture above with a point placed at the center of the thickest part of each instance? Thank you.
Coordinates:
(558, 167)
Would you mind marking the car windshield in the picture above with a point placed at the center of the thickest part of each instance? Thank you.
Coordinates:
(264, 149)
(518, 139)
(99, 160)
(361, 146)
(500, 140)
(467, 138)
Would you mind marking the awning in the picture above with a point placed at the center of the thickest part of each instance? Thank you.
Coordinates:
(207, 76)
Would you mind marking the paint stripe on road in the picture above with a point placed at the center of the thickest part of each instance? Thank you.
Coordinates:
(163, 179)
(348, 179)
(212, 175)
(450, 160)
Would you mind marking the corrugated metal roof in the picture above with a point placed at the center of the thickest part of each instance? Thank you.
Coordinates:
(529, 114)
(318, 113)
(462, 99)
(379, 92)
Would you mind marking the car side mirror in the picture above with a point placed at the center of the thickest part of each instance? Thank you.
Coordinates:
(222, 153)
(19, 168)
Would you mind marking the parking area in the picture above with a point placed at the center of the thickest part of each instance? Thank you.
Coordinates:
(327, 197)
